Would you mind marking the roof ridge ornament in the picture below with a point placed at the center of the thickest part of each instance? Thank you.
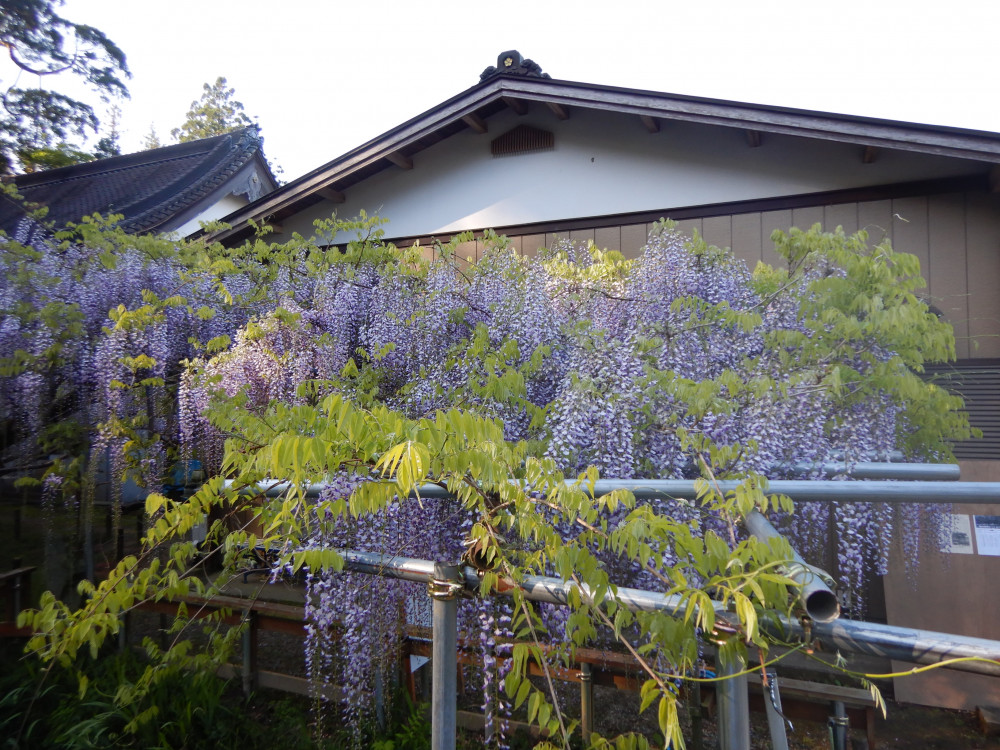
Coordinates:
(510, 63)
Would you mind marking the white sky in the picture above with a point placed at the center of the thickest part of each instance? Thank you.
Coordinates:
(324, 77)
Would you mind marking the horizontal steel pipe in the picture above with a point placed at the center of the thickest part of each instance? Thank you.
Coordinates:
(818, 601)
(906, 644)
(802, 490)
(880, 470)
(895, 457)
(847, 636)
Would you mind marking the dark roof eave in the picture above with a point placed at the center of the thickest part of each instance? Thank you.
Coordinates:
(124, 161)
(867, 131)
(937, 140)
(231, 153)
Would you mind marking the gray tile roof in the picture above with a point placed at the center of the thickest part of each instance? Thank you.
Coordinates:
(148, 188)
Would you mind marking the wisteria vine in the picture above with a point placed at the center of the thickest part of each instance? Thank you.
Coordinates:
(680, 364)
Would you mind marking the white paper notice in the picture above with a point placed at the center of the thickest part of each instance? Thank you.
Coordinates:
(959, 539)
(988, 535)
(416, 662)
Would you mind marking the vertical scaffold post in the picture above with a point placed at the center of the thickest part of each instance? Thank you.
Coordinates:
(775, 717)
(249, 652)
(443, 589)
(734, 706)
(586, 702)
(839, 725)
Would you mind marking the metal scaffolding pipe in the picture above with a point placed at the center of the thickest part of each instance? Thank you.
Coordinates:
(879, 470)
(804, 490)
(775, 716)
(443, 588)
(847, 636)
(734, 705)
(824, 489)
(818, 600)
(586, 702)
(895, 457)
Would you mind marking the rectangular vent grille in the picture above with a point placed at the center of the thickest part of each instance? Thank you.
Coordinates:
(522, 140)
(978, 382)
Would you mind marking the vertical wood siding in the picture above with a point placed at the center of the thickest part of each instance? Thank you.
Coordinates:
(956, 238)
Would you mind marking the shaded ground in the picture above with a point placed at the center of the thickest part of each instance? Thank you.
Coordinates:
(906, 727)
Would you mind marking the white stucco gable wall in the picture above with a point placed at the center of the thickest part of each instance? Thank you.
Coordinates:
(604, 164)
(225, 206)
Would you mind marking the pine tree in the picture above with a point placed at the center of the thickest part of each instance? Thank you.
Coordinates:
(214, 114)
(152, 139)
(36, 123)
(110, 143)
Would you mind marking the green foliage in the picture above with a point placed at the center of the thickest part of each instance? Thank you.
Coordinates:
(865, 331)
(60, 154)
(151, 139)
(122, 701)
(410, 728)
(863, 305)
(216, 113)
(110, 143)
(37, 123)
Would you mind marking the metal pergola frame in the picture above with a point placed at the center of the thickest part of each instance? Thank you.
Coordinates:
(885, 483)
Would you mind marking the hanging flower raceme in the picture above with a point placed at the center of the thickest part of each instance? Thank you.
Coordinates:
(372, 371)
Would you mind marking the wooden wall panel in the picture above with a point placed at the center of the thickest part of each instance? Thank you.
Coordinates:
(875, 217)
(634, 238)
(956, 237)
(909, 230)
(947, 277)
(718, 230)
(983, 253)
(804, 218)
(948, 593)
(517, 243)
(689, 226)
(769, 221)
(531, 242)
(841, 215)
(551, 238)
(467, 252)
(609, 238)
(936, 583)
(582, 236)
(746, 238)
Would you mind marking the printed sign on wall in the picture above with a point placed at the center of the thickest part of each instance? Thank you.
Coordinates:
(988, 535)
(959, 537)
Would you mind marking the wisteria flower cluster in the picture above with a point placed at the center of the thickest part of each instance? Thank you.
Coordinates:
(654, 368)
(680, 364)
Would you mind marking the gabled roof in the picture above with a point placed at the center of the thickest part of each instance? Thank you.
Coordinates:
(151, 189)
(515, 82)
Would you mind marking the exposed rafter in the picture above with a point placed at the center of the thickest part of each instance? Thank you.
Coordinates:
(753, 138)
(869, 155)
(334, 196)
(475, 122)
(651, 123)
(400, 159)
(995, 179)
(518, 105)
(559, 110)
